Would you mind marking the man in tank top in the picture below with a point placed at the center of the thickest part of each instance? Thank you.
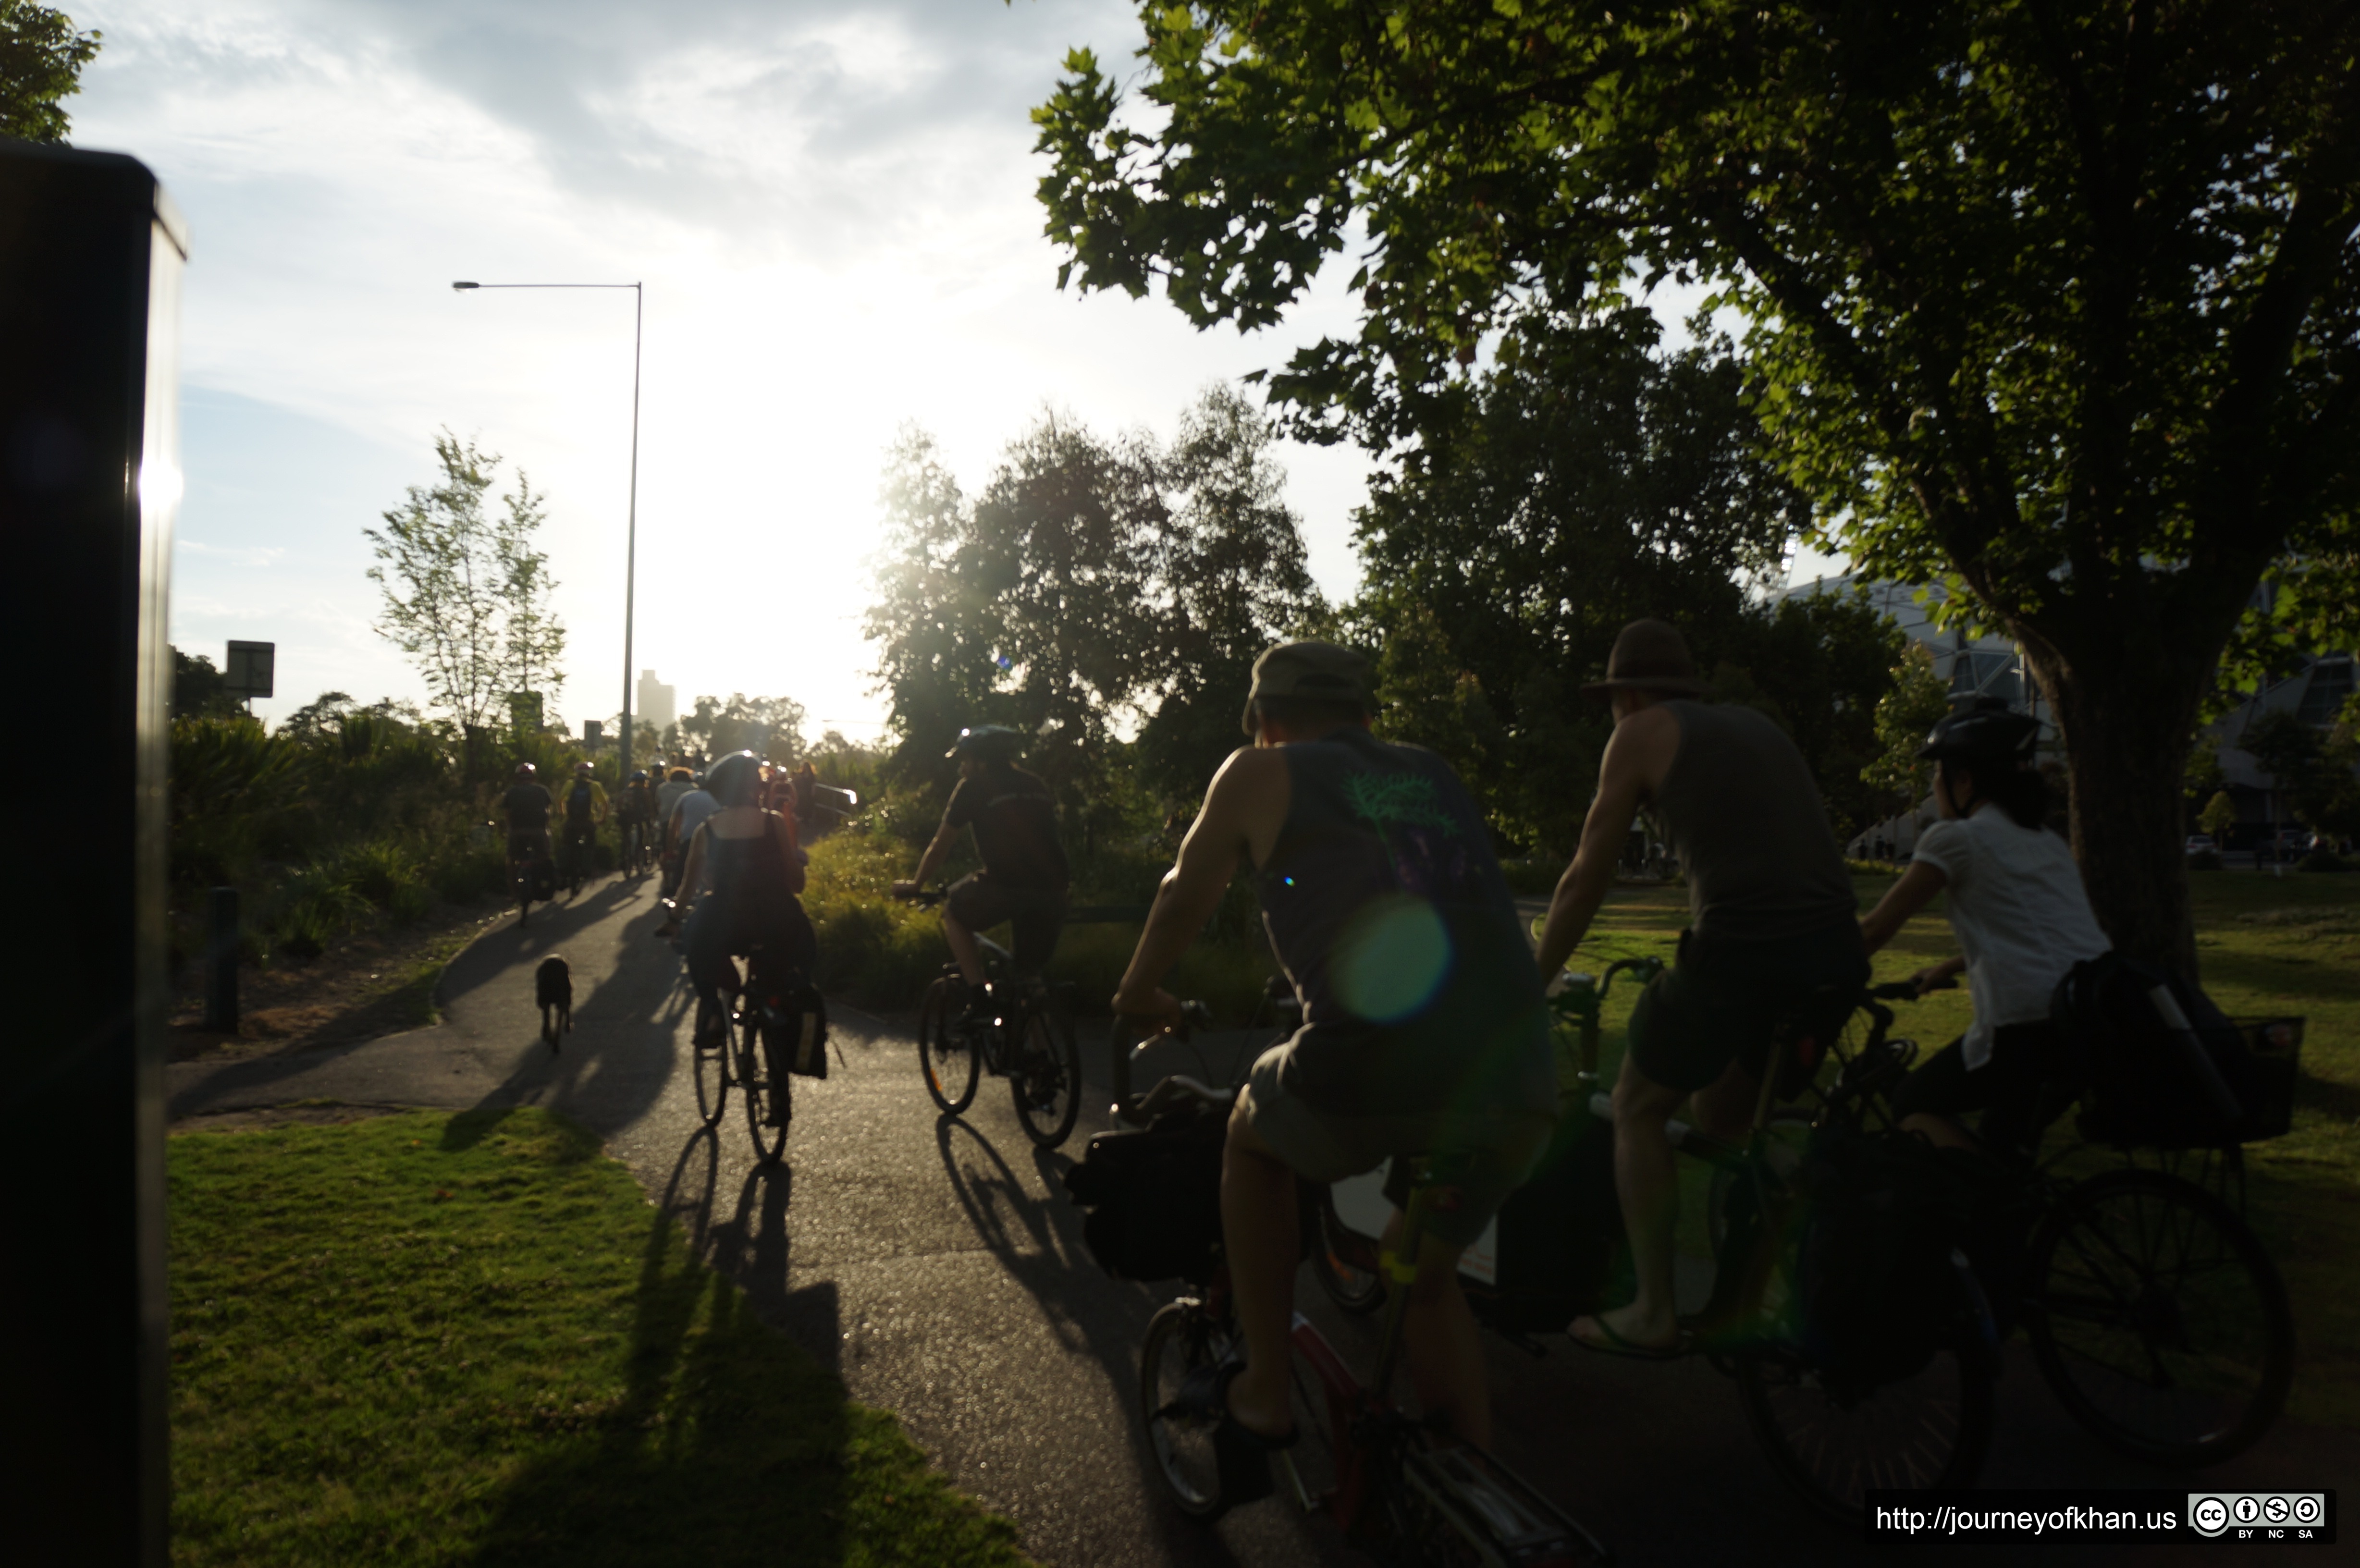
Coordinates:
(1772, 937)
(1424, 1028)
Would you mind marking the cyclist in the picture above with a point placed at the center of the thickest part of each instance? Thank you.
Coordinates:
(2022, 917)
(635, 812)
(528, 806)
(688, 813)
(756, 871)
(1025, 876)
(1771, 937)
(1424, 1029)
(585, 812)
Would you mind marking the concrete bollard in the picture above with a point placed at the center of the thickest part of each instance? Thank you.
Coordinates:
(221, 960)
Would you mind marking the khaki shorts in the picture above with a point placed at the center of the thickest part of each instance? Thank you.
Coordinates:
(1325, 1147)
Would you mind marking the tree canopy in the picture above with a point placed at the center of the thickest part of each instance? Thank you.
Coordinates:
(41, 57)
(2056, 302)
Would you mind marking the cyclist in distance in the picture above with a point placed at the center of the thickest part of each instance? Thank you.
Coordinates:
(637, 808)
(688, 813)
(749, 857)
(585, 813)
(528, 806)
(2022, 918)
(1025, 876)
(1771, 937)
(1424, 1028)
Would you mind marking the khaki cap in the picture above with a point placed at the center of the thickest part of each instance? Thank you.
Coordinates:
(1649, 656)
(1314, 671)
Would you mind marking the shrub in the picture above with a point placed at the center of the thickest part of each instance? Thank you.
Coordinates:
(378, 870)
(1872, 868)
(2323, 860)
(2204, 860)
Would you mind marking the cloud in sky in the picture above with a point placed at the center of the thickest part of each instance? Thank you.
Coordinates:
(831, 208)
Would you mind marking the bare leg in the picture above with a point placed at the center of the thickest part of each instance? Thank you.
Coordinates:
(1446, 1343)
(1724, 1107)
(963, 948)
(1649, 1190)
(1258, 1232)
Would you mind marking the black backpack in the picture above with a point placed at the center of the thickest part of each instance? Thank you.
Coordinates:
(579, 802)
(1154, 1195)
(2153, 1085)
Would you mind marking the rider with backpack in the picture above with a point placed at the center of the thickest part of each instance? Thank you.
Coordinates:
(585, 812)
(2023, 919)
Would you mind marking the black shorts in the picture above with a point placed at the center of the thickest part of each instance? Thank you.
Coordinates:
(528, 843)
(1036, 914)
(2032, 1075)
(1722, 1001)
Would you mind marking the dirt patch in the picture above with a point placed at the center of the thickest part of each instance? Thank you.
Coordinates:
(366, 984)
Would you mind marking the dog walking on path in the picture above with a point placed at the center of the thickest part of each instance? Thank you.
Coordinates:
(552, 985)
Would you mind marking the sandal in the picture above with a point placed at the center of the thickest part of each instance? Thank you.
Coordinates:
(1609, 1343)
(1240, 1455)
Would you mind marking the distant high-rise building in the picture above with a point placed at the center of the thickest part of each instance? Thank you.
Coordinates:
(656, 710)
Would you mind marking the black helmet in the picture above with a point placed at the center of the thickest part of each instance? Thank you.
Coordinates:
(735, 780)
(639, 775)
(987, 743)
(1987, 733)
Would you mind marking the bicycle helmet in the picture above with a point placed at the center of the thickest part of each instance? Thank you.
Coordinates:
(639, 775)
(524, 771)
(1987, 733)
(987, 743)
(735, 779)
(582, 771)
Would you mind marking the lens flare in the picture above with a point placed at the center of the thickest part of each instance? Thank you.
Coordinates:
(1391, 958)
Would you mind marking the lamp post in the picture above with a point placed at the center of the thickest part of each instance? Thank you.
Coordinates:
(631, 536)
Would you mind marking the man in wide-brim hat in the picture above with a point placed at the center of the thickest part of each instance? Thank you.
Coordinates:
(1773, 936)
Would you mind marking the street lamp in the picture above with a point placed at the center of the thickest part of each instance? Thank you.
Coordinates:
(631, 538)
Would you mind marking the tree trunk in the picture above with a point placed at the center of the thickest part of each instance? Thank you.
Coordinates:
(2128, 734)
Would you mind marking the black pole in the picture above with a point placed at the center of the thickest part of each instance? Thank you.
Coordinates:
(221, 960)
(91, 252)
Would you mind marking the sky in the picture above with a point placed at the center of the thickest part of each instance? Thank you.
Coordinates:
(830, 207)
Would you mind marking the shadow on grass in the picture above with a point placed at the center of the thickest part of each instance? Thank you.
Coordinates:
(729, 1443)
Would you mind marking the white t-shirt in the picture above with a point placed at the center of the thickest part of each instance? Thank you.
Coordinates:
(2020, 912)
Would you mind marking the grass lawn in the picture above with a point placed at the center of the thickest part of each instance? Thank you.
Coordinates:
(436, 1339)
(2269, 946)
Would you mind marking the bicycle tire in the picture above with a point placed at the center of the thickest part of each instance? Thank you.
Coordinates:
(947, 1056)
(2158, 1320)
(1353, 1284)
(1179, 1340)
(1927, 1432)
(762, 1087)
(1047, 1083)
(711, 1068)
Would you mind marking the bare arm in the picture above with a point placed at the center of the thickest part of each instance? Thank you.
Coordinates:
(1220, 837)
(1636, 757)
(931, 862)
(1904, 899)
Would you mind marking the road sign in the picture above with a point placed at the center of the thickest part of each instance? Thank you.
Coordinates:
(250, 669)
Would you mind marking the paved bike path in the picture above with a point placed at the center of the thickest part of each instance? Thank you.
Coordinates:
(936, 1265)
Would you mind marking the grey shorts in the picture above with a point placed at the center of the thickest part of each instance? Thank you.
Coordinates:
(1325, 1147)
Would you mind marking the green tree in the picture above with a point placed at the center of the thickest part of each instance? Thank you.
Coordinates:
(771, 727)
(2057, 302)
(41, 57)
(1231, 579)
(2219, 817)
(1914, 706)
(200, 691)
(467, 596)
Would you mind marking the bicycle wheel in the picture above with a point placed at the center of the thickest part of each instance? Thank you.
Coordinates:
(1047, 1081)
(1834, 1444)
(1345, 1262)
(1180, 1338)
(946, 1052)
(766, 1092)
(2158, 1319)
(711, 1068)
(1316, 1460)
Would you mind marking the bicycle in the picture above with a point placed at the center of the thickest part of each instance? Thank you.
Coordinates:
(2154, 1312)
(1026, 1036)
(1387, 1479)
(579, 840)
(525, 872)
(754, 1050)
(637, 855)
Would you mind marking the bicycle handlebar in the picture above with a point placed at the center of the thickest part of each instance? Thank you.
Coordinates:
(925, 899)
(1906, 990)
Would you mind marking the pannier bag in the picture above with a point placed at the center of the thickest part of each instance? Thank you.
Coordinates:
(1154, 1195)
(2166, 1069)
(805, 1036)
(1881, 1214)
(1561, 1247)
